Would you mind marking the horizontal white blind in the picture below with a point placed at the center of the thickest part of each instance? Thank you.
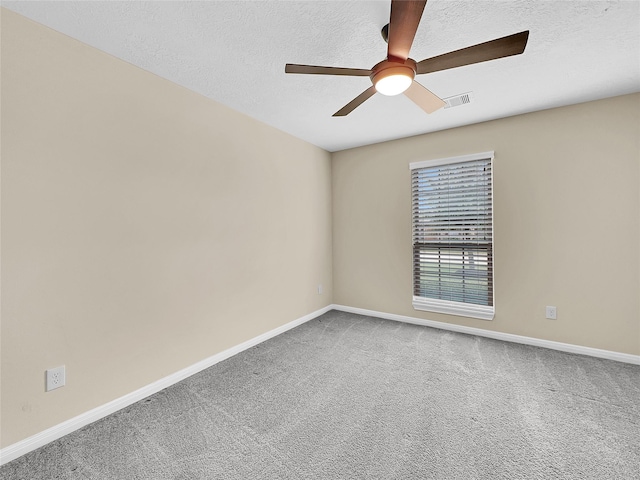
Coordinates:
(453, 232)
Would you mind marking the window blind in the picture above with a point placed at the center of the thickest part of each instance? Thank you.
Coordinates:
(453, 235)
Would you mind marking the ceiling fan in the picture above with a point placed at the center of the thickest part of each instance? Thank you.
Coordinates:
(395, 74)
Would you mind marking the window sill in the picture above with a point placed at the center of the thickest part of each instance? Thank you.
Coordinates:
(453, 308)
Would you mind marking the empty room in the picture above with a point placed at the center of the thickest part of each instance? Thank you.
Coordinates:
(320, 240)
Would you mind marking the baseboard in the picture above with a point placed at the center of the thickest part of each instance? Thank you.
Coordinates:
(27, 445)
(22, 447)
(508, 337)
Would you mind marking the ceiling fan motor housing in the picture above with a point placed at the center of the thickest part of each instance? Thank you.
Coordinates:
(387, 68)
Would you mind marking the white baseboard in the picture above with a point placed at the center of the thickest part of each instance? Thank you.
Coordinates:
(22, 447)
(18, 449)
(508, 337)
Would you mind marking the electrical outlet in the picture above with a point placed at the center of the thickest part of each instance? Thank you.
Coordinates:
(552, 313)
(56, 378)
(320, 289)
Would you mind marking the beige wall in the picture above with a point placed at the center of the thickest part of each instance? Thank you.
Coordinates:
(144, 227)
(566, 222)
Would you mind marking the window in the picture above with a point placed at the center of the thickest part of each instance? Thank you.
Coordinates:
(453, 235)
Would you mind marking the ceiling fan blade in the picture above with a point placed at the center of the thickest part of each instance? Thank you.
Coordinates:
(491, 50)
(424, 98)
(405, 18)
(356, 102)
(317, 70)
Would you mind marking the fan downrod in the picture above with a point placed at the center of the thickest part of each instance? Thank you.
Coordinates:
(385, 33)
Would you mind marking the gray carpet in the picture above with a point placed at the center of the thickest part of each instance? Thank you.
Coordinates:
(353, 397)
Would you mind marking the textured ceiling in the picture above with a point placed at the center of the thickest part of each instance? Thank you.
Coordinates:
(234, 52)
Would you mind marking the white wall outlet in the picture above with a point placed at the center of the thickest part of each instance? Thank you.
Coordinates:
(56, 378)
(552, 313)
(320, 289)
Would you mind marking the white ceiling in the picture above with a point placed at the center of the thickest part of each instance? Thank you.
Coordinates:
(234, 52)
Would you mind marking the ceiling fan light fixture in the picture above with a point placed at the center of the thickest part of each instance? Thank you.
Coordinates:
(394, 75)
(393, 80)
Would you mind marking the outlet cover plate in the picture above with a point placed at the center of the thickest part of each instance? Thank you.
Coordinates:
(55, 378)
(552, 313)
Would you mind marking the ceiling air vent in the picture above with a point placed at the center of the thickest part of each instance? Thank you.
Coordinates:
(457, 100)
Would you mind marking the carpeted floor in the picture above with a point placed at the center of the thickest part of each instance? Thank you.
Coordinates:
(351, 397)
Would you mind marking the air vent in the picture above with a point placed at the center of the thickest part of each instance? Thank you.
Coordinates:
(457, 100)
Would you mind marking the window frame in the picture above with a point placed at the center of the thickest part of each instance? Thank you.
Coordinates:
(482, 312)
